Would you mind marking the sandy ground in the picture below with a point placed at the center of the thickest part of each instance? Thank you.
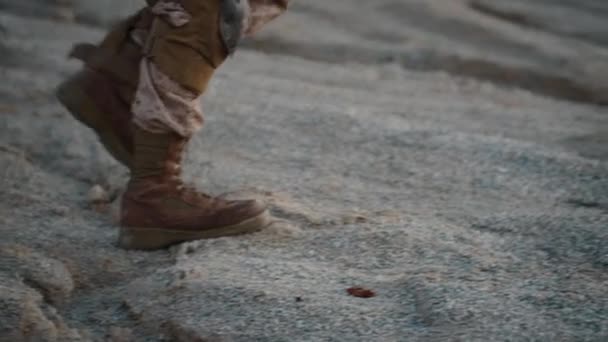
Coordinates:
(451, 157)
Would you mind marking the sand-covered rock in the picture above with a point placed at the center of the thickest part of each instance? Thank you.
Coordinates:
(26, 316)
(40, 271)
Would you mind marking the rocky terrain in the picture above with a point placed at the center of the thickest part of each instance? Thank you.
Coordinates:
(450, 156)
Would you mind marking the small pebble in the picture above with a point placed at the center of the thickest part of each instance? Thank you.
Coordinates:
(98, 195)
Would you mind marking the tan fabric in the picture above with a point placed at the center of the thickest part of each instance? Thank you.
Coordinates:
(182, 52)
(161, 105)
(172, 12)
(261, 12)
(188, 53)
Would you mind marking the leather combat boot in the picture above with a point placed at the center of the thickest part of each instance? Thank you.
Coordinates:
(92, 98)
(158, 210)
(100, 95)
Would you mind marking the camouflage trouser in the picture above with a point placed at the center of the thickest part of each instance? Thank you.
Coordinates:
(181, 52)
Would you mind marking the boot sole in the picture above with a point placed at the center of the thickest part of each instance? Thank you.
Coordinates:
(157, 238)
(83, 109)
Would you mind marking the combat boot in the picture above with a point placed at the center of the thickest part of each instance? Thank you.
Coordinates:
(159, 210)
(100, 95)
(91, 98)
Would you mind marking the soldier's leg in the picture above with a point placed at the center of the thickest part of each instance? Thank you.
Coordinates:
(101, 94)
(176, 57)
(183, 49)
